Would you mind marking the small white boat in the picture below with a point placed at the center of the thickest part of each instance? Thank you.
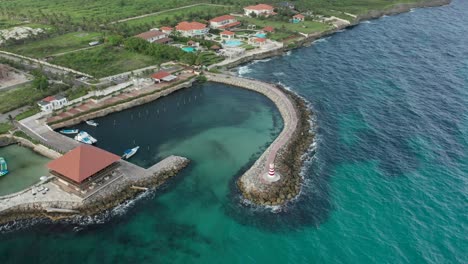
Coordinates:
(92, 123)
(69, 131)
(86, 138)
(130, 152)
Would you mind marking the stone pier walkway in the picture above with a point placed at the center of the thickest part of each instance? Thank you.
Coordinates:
(253, 176)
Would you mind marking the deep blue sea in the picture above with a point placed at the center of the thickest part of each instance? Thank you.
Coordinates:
(386, 183)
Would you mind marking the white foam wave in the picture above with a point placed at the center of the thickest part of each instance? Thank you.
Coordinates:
(244, 70)
(285, 86)
(279, 74)
(80, 222)
(366, 22)
(288, 53)
(412, 10)
(320, 40)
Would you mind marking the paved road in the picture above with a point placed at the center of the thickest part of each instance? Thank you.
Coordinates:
(37, 129)
(165, 11)
(71, 51)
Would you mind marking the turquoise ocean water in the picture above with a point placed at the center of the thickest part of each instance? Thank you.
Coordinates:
(387, 182)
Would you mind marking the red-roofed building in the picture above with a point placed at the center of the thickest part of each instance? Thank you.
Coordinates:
(192, 29)
(268, 29)
(51, 103)
(79, 168)
(154, 36)
(167, 30)
(227, 34)
(224, 22)
(259, 10)
(162, 76)
(298, 18)
(257, 41)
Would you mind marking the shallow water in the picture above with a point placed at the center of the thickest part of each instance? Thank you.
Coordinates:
(25, 166)
(387, 183)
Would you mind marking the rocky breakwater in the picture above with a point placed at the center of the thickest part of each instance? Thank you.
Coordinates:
(59, 204)
(285, 152)
(135, 180)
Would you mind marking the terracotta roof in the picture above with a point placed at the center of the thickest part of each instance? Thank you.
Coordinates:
(259, 7)
(268, 29)
(49, 99)
(299, 16)
(215, 47)
(186, 26)
(230, 25)
(166, 28)
(222, 18)
(163, 40)
(160, 75)
(259, 39)
(150, 34)
(226, 32)
(82, 162)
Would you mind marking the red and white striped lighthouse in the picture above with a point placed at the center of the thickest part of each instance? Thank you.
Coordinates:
(271, 171)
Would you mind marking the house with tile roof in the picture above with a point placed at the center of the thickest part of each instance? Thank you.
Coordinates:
(227, 34)
(259, 10)
(163, 76)
(154, 36)
(224, 22)
(52, 103)
(298, 18)
(192, 29)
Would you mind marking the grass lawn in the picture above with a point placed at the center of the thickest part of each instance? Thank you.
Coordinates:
(54, 45)
(8, 23)
(351, 6)
(103, 9)
(30, 112)
(104, 61)
(208, 58)
(303, 27)
(171, 18)
(278, 36)
(21, 96)
(5, 127)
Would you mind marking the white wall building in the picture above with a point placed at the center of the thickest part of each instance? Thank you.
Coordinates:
(52, 103)
(259, 10)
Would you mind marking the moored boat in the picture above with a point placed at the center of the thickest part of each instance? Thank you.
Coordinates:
(69, 131)
(92, 123)
(3, 167)
(86, 138)
(130, 152)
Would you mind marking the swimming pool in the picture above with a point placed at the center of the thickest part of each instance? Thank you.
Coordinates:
(233, 43)
(260, 35)
(189, 49)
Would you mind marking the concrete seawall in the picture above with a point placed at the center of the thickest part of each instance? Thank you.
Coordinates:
(253, 183)
(122, 106)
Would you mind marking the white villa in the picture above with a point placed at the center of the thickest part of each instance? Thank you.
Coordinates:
(154, 36)
(51, 103)
(192, 29)
(227, 34)
(259, 10)
(224, 22)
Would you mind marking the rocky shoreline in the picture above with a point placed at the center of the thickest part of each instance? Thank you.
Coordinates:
(373, 14)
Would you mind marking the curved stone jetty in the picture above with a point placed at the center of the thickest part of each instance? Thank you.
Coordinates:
(261, 184)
